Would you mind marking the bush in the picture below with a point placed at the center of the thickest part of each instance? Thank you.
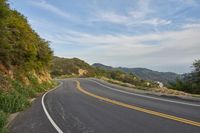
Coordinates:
(183, 85)
(42, 87)
(190, 82)
(26, 91)
(13, 102)
(17, 99)
(3, 121)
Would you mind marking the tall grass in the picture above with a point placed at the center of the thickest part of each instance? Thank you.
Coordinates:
(3, 120)
(17, 99)
(13, 102)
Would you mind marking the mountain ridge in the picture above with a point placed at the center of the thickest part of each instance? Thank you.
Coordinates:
(144, 73)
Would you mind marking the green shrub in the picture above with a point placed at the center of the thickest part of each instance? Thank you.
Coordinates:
(17, 99)
(41, 87)
(13, 102)
(3, 121)
(26, 91)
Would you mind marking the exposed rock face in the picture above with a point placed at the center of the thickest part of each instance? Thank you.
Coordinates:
(6, 71)
(44, 76)
(4, 83)
(82, 72)
(41, 76)
(7, 75)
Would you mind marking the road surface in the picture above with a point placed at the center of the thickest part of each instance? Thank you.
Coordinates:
(91, 106)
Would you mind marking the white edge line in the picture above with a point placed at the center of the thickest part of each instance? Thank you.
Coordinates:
(165, 100)
(48, 115)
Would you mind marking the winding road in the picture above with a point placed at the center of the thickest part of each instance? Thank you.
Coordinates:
(92, 106)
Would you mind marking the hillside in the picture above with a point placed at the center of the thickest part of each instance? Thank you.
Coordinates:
(105, 67)
(22, 51)
(148, 74)
(24, 63)
(70, 67)
(145, 74)
(65, 67)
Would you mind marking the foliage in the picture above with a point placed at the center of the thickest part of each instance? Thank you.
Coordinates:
(18, 97)
(23, 55)
(196, 72)
(20, 46)
(13, 102)
(65, 66)
(129, 78)
(3, 120)
(190, 82)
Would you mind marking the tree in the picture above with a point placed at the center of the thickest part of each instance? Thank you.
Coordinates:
(196, 71)
(21, 48)
(191, 82)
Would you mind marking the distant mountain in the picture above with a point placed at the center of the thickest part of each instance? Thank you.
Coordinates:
(144, 73)
(103, 66)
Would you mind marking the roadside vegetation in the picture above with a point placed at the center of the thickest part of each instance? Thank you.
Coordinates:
(190, 82)
(18, 96)
(24, 63)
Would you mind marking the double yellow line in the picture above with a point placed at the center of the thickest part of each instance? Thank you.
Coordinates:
(171, 117)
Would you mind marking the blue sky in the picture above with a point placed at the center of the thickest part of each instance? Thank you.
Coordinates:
(162, 35)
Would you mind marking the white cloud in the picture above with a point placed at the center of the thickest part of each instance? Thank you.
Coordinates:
(143, 9)
(129, 20)
(156, 21)
(175, 48)
(173, 51)
(49, 7)
(189, 2)
(138, 16)
(191, 25)
(111, 17)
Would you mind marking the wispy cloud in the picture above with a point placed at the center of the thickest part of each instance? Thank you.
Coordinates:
(189, 2)
(156, 21)
(175, 47)
(128, 20)
(143, 9)
(193, 25)
(139, 16)
(111, 17)
(49, 7)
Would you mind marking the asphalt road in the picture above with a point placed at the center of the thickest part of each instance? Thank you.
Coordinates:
(96, 107)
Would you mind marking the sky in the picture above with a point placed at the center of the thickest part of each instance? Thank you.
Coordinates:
(162, 35)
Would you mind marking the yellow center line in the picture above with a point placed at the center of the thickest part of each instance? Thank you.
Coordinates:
(171, 117)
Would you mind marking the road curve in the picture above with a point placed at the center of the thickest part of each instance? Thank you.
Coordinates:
(70, 109)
